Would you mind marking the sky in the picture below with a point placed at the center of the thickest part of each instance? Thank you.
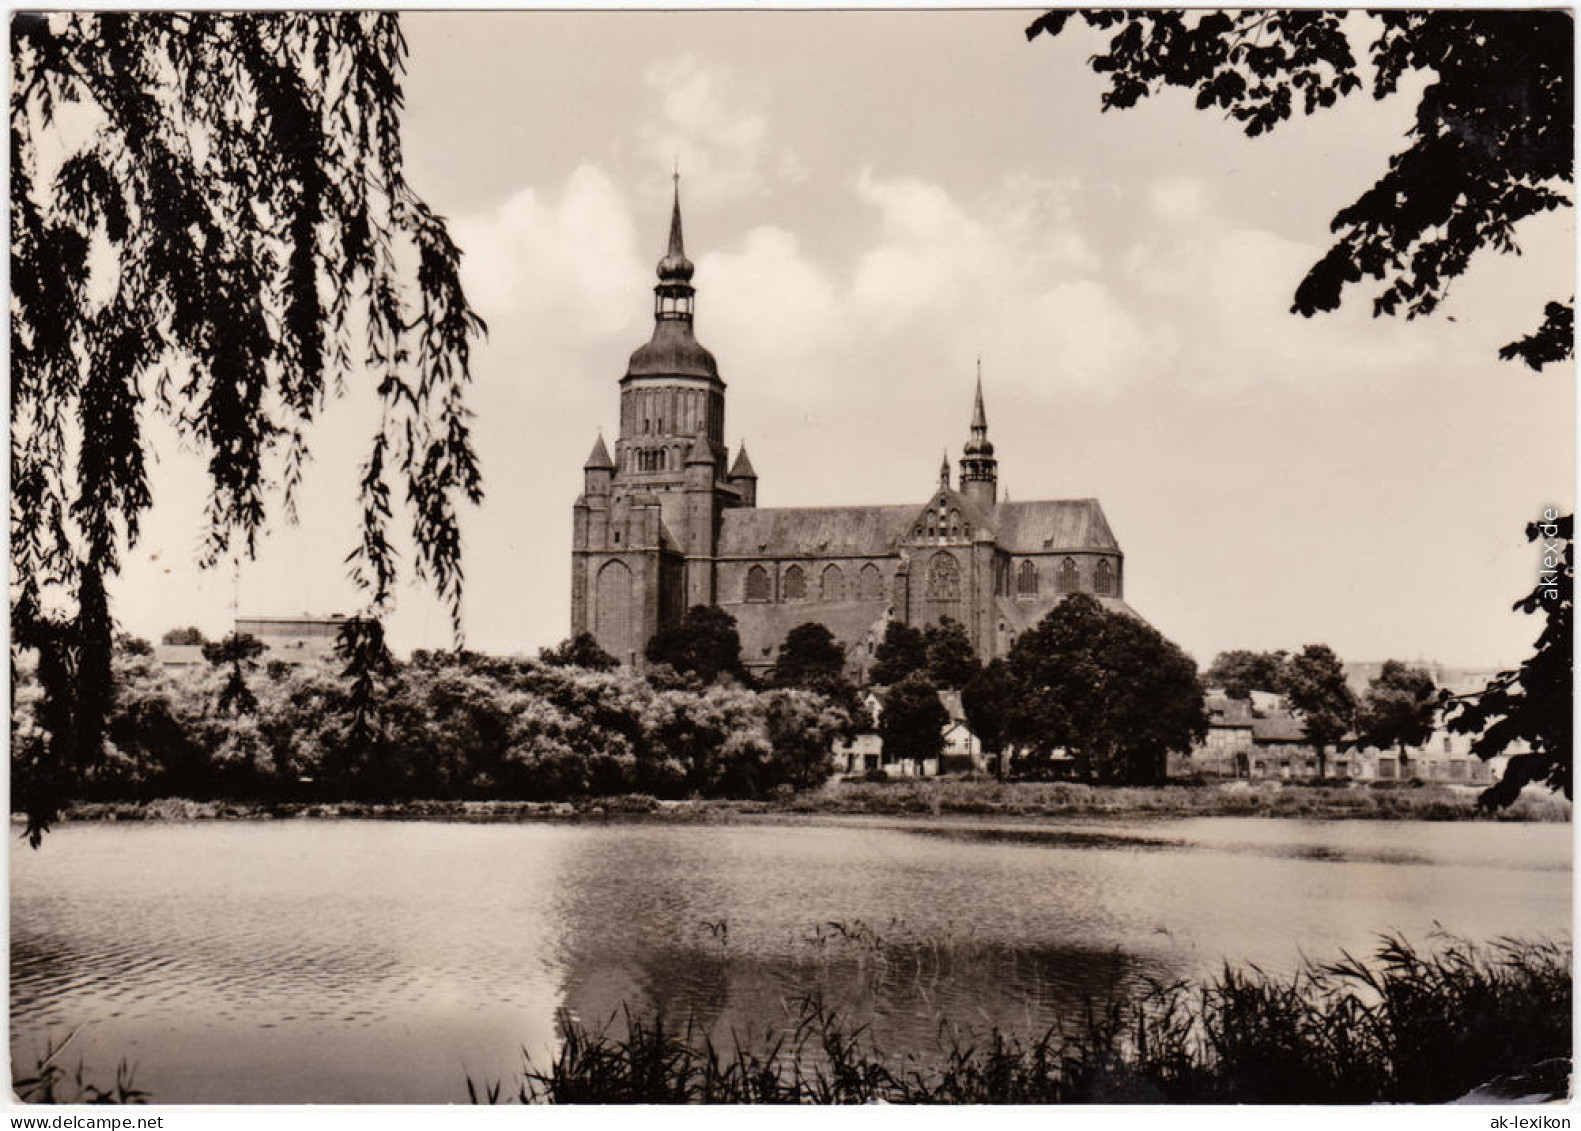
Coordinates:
(873, 201)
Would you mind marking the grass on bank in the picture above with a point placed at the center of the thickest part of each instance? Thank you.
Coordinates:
(954, 796)
(1406, 1027)
(979, 796)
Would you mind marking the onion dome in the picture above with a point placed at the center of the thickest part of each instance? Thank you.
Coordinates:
(672, 352)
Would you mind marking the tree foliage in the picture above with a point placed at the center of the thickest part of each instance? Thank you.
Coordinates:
(1240, 672)
(450, 725)
(191, 635)
(1316, 688)
(1532, 704)
(913, 720)
(1492, 143)
(813, 660)
(952, 662)
(129, 645)
(233, 649)
(239, 652)
(989, 699)
(211, 222)
(704, 643)
(903, 651)
(809, 654)
(1107, 689)
(581, 651)
(1400, 708)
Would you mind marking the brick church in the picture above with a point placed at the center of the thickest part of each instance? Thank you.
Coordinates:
(671, 521)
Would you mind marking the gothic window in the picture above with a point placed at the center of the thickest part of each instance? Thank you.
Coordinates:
(955, 524)
(757, 584)
(1067, 580)
(1103, 578)
(1027, 579)
(872, 583)
(833, 584)
(795, 584)
(944, 578)
(613, 620)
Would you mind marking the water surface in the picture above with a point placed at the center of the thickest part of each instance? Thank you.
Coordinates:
(366, 961)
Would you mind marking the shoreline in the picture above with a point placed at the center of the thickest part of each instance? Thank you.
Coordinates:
(932, 798)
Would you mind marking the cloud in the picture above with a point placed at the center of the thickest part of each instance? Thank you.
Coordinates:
(722, 142)
(569, 263)
(1223, 291)
(1178, 199)
(768, 300)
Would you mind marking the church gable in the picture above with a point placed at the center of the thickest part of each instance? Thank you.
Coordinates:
(949, 516)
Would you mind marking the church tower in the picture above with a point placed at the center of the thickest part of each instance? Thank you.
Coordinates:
(646, 527)
(671, 391)
(979, 468)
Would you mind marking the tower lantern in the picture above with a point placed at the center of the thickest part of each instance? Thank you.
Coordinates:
(979, 468)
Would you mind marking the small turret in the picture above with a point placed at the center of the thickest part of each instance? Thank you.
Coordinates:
(701, 465)
(743, 478)
(944, 471)
(598, 472)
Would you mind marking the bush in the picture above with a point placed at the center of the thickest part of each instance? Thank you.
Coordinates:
(446, 726)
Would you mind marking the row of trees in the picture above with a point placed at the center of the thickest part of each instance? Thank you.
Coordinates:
(445, 725)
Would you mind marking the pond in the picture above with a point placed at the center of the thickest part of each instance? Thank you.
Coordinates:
(362, 961)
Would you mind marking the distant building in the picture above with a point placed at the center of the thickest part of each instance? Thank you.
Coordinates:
(177, 656)
(1262, 739)
(293, 639)
(1227, 750)
(670, 520)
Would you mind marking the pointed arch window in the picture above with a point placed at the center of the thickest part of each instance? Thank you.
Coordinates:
(757, 584)
(1103, 578)
(955, 524)
(1027, 579)
(795, 584)
(872, 583)
(1068, 579)
(944, 578)
(832, 586)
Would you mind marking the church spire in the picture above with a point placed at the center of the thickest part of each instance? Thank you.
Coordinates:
(979, 418)
(979, 469)
(944, 470)
(675, 267)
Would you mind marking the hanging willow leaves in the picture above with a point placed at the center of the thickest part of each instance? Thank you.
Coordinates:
(210, 221)
(1493, 141)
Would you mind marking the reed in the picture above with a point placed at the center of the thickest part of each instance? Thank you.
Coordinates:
(51, 1083)
(1404, 1026)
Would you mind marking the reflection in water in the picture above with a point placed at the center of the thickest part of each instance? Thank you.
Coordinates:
(353, 961)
